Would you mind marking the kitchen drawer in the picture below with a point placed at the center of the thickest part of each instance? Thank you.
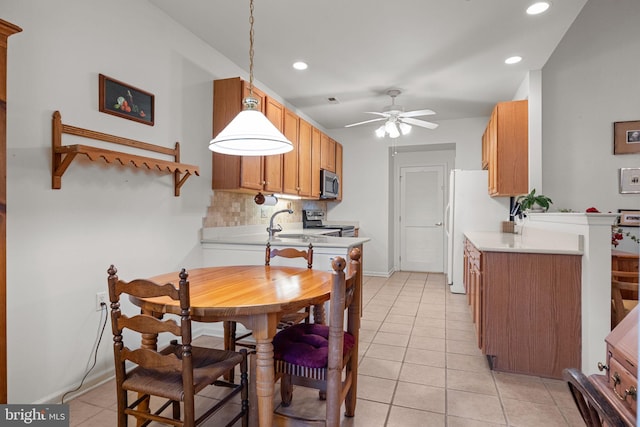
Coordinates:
(622, 358)
(474, 255)
(624, 385)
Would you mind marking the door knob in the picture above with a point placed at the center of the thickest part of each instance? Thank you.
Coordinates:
(439, 224)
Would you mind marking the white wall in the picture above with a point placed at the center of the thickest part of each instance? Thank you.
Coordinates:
(589, 82)
(61, 242)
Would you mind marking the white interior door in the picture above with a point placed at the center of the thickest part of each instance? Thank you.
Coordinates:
(421, 218)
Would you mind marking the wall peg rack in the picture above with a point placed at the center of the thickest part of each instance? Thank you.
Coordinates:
(63, 155)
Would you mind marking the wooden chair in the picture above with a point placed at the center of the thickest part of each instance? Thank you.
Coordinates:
(315, 356)
(596, 410)
(232, 339)
(623, 283)
(176, 373)
(291, 318)
(289, 253)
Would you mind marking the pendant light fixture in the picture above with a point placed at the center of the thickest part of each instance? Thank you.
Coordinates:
(250, 133)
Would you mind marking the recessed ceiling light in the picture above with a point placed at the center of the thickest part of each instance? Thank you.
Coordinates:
(538, 7)
(513, 60)
(300, 65)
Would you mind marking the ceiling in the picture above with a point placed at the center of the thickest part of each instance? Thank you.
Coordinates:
(444, 55)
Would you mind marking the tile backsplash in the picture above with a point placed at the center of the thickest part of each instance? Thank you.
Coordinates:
(228, 209)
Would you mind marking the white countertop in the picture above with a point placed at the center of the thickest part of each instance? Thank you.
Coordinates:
(303, 236)
(532, 241)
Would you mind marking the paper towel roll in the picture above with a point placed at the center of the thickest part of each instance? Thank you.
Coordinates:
(261, 199)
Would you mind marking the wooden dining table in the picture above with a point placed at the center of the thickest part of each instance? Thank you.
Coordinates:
(256, 297)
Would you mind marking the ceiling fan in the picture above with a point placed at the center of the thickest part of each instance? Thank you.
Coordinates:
(397, 121)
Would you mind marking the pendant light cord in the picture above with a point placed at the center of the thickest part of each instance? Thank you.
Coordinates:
(251, 48)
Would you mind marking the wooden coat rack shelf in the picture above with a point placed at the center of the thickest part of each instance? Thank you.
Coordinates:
(63, 155)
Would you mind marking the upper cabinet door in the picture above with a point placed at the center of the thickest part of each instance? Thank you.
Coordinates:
(327, 153)
(508, 143)
(290, 159)
(273, 164)
(252, 167)
(339, 169)
(305, 167)
(316, 141)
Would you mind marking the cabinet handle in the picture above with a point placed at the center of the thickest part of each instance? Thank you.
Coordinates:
(631, 391)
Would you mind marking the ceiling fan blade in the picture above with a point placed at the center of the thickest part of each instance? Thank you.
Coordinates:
(417, 113)
(366, 121)
(420, 123)
(377, 113)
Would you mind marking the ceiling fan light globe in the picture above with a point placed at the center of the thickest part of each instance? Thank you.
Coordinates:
(394, 132)
(390, 127)
(380, 132)
(405, 129)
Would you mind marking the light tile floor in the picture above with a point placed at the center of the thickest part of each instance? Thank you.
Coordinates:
(419, 366)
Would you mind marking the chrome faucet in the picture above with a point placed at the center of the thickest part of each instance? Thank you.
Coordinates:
(272, 231)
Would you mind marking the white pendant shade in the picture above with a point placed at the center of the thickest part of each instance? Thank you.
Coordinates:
(250, 133)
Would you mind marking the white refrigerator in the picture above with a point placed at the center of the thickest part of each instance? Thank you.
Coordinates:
(470, 208)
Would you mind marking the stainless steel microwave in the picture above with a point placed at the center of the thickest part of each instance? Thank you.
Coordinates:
(329, 184)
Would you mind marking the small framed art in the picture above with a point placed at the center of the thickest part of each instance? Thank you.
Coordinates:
(629, 217)
(629, 180)
(126, 101)
(626, 137)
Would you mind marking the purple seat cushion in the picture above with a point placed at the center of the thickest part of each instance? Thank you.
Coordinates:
(306, 344)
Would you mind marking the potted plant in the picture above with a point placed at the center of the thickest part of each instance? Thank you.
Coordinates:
(533, 202)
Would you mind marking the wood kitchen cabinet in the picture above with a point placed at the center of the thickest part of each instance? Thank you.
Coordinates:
(273, 165)
(486, 136)
(291, 131)
(472, 279)
(505, 146)
(327, 153)
(527, 310)
(305, 160)
(261, 173)
(296, 172)
(339, 169)
(316, 141)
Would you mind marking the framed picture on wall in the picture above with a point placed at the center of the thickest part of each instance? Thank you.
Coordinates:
(629, 180)
(626, 137)
(629, 217)
(123, 100)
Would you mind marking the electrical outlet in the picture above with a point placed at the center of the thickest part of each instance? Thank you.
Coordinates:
(264, 213)
(101, 298)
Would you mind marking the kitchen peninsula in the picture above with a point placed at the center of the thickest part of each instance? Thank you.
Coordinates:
(525, 293)
(246, 245)
(585, 235)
